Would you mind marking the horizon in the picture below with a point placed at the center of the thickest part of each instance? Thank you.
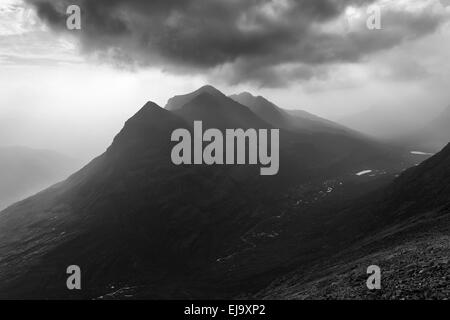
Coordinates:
(399, 73)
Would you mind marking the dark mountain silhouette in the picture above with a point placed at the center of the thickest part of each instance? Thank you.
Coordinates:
(177, 102)
(404, 228)
(132, 219)
(25, 171)
(129, 216)
(264, 109)
(289, 119)
(218, 111)
(336, 140)
(307, 146)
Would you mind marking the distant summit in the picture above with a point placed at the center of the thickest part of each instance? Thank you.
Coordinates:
(217, 110)
(297, 120)
(177, 102)
(263, 108)
(253, 102)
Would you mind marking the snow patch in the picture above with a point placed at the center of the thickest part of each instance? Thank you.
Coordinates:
(361, 173)
(422, 153)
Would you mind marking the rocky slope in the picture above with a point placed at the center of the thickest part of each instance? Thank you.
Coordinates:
(409, 241)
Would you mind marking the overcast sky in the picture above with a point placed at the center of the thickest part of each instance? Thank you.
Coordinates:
(71, 91)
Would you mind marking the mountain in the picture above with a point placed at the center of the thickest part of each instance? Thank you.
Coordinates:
(265, 109)
(215, 110)
(179, 101)
(337, 141)
(25, 171)
(129, 216)
(290, 119)
(310, 145)
(133, 220)
(403, 228)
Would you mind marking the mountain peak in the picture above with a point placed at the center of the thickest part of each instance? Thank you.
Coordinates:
(255, 103)
(151, 125)
(150, 115)
(244, 94)
(209, 89)
(218, 111)
(204, 97)
(149, 108)
(151, 105)
(177, 102)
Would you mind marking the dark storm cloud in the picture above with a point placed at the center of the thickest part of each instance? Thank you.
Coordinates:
(269, 42)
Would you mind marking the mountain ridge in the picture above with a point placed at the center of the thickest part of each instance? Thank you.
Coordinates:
(178, 101)
(289, 119)
(131, 217)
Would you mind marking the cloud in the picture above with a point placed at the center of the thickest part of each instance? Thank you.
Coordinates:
(266, 42)
(25, 40)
